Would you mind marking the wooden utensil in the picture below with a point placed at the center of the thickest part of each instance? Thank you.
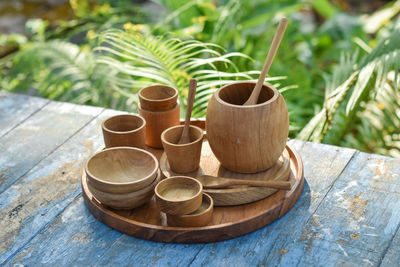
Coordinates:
(239, 135)
(183, 158)
(179, 195)
(209, 181)
(185, 138)
(268, 61)
(124, 130)
(201, 217)
(158, 97)
(121, 169)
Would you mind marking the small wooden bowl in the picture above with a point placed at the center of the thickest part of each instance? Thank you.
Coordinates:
(158, 98)
(124, 130)
(183, 158)
(121, 169)
(179, 195)
(157, 122)
(201, 217)
(126, 201)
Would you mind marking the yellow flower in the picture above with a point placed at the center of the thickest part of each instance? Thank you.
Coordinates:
(133, 27)
(90, 35)
(381, 106)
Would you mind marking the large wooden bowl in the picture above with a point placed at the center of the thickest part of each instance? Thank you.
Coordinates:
(247, 139)
(126, 201)
(121, 169)
(158, 98)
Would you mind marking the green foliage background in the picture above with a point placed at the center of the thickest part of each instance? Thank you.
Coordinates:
(337, 69)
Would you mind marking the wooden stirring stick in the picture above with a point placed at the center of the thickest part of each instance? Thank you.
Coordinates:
(268, 61)
(185, 137)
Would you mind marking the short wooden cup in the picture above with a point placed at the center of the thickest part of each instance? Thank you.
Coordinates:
(158, 98)
(201, 217)
(179, 195)
(121, 169)
(126, 201)
(124, 130)
(157, 122)
(183, 158)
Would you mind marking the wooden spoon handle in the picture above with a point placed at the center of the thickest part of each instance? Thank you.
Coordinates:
(285, 185)
(185, 138)
(268, 61)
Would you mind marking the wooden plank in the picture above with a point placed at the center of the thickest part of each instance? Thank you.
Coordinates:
(392, 256)
(103, 246)
(46, 190)
(35, 138)
(322, 165)
(358, 218)
(15, 108)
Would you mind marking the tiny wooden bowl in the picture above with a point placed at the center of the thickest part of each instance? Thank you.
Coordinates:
(126, 201)
(158, 98)
(201, 217)
(183, 158)
(121, 169)
(179, 195)
(124, 130)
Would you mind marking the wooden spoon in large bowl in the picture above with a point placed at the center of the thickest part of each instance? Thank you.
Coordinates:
(185, 138)
(268, 61)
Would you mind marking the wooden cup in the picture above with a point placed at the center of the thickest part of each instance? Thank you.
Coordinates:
(157, 122)
(179, 195)
(158, 98)
(247, 139)
(200, 217)
(124, 130)
(183, 158)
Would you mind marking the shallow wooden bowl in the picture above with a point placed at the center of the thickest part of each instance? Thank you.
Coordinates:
(179, 195)
(121, 169)
(200, 217)
(158, 98)
(126, 201)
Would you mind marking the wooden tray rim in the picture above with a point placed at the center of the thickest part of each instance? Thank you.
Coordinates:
(299, 176)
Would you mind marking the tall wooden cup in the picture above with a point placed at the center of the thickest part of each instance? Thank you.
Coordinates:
(247, 139)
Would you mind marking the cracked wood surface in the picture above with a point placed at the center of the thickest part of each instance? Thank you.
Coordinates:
(348, 213)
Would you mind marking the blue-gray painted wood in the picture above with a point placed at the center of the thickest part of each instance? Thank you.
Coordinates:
(15, 108)
(39, 197)
(247, 250)
(31, 141)
(392, 256)
(356, 220)
(348, 214)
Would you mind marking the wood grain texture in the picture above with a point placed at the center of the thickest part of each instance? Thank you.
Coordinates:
(124, 130)
(15, 108)
(148, 223)
(158, 98)
(36, 199)
(121, 169)
(359, 215)
(237, 195)
(183, 158)
(247, 139)
(179, 195)
(157, 122)
(31, 141)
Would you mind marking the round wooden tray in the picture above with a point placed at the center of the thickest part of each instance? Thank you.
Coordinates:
(235, 195)
(147, 222)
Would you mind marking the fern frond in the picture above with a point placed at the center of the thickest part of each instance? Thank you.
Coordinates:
(142, 59)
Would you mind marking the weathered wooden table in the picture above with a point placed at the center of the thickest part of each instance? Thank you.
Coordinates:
(348, 213)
